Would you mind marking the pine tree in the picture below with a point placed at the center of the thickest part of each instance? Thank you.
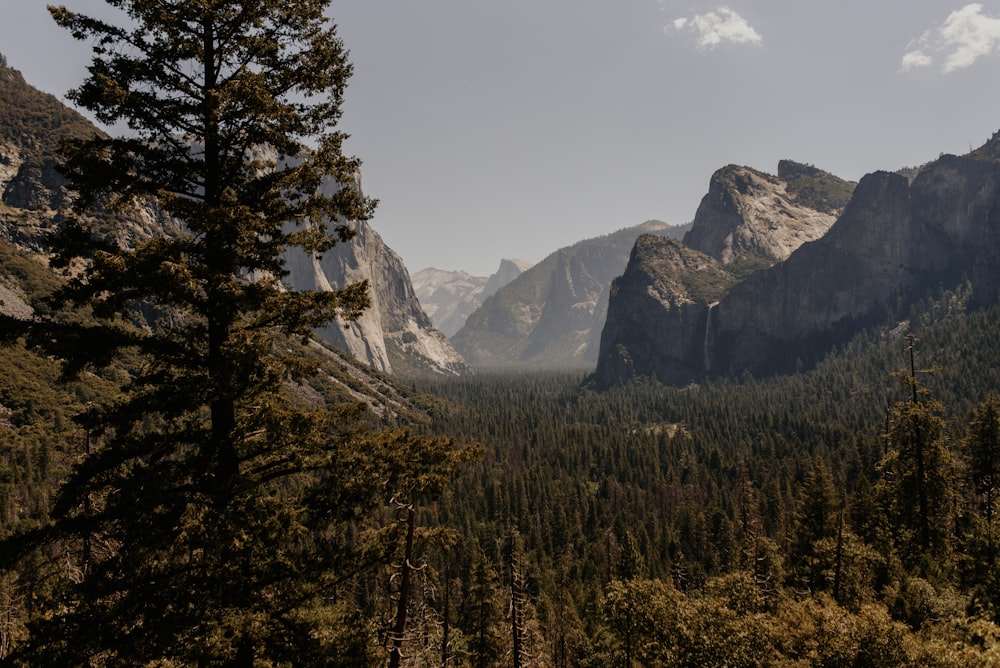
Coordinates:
(920, 477)
(982, 448)
(817, 518)
(222, 514)
(981, 553)
(483, 614)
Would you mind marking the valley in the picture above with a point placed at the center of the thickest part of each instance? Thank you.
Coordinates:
(768, 437)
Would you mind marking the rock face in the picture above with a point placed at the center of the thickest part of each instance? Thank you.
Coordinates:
(393, 335)
(508, 270)
(747, 222)
(450, 297)
(657, 316)
(551, 315)
(894, 241)
(757, 219)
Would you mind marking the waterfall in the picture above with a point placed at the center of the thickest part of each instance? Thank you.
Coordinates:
(707, 346)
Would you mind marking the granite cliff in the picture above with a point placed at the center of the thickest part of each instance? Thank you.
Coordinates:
(450, 297)
(394, 335)
(657, 312)
(896, 240)
(551, 315)
(747, 222)
(751, 219)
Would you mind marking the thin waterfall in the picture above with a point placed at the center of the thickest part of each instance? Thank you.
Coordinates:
(707, 346)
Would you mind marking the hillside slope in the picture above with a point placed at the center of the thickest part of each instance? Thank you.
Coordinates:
(551, 315)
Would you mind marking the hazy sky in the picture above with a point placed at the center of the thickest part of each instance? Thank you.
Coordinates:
(515, 127)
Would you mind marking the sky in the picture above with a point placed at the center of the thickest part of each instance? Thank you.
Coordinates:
(510, 129)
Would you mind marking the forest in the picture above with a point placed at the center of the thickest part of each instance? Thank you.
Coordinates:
(744, 522)
(842, 516)
(189, 478)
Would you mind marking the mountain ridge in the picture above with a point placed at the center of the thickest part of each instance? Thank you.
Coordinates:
(896, 238)
(551, 315)
(450, 297)
(393, 335)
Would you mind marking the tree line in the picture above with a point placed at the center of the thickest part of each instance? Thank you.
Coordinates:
(176, 490)
(860, 496)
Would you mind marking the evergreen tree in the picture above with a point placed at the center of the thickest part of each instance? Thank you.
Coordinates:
(982, 449)
(981, 556)
(483, 612)
(817, 518)
(220, 517)
(920, 477)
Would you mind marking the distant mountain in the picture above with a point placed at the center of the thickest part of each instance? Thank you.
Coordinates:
(394, 335)
(449, 297)
(895, 241)
(750, 219)
(551, 315)
(654, 325)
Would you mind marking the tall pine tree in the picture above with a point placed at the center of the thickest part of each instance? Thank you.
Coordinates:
(217, 519)
(920, 477)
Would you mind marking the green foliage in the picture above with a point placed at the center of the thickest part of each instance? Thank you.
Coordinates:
(707, 285)
(39, 118)
(919, 474)
(817, 189)
(982, 451)
(737, 476)
(216, 515)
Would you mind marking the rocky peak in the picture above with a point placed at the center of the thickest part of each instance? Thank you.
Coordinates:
(658, 314)
(508, 270)
(393, 334)
(896, 240)
(449, 297)
(551, 315)
(750, 219)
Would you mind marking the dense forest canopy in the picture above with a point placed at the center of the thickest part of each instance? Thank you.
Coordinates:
(200, 507)
(186, 480)
(783, 515)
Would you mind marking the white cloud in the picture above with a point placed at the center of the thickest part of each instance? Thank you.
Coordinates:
(722, 25)
(965, 36)
(914, 59)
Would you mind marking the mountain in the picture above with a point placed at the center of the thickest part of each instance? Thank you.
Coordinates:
(394, 335)
(751, 219)
(656, 312)
(551, 315)
(449, 297)
(748, 221)
(896, 241)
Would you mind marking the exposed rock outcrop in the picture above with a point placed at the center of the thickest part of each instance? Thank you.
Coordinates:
(756, 219)
(509, 269)
(450, 297)
(894, 241)
(551, 315)
(747, 222)
(658, 314)
(393, 335)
